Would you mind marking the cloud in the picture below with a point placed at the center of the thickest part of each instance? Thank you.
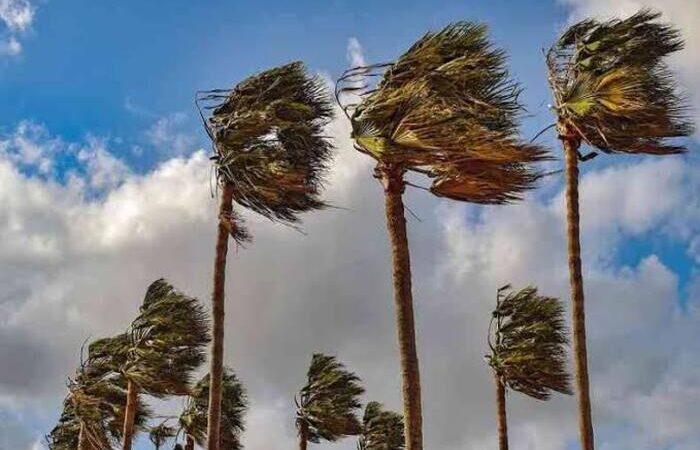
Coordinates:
(17, 17)
(170, 136)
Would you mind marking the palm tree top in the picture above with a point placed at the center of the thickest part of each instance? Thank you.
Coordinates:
(528, 340)
(268, 140)
(234, 404)
(381, 429)
(159, 434)
(447, 108)
(612, 88)
(328, 401)
(162, 346)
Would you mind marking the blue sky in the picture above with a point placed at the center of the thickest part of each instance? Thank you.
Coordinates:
(103, 93)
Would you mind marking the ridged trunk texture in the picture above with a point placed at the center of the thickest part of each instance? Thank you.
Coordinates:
(392, 180)
(571, 146)
(189, 442)
(303, 435)
(216, 371)
(82, 438)
(130, 415)
(501, 416)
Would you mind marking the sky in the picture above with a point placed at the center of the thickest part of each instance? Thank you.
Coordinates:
(105, 186)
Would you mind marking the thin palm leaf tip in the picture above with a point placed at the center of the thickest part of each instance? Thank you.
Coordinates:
(447, 108)
(327, 404)
(612, 88)
(234, 405)
(268, 135)
(163, 345)
(528, 343)
(161, 433)
(381, 429)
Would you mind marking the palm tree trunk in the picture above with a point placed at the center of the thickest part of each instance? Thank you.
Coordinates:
(501, 418)
(216, 370)
(392, 179)
(303, 435)
(571, 145)
(130, 415)
(189, 442)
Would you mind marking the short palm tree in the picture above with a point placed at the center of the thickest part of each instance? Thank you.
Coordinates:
(327, 404)
(93, 412)
(446, 109)
(193, 419)
(270, 155)
(160, 434)
(158, 353)
(528, 339)
(613, 92)
(381, 429)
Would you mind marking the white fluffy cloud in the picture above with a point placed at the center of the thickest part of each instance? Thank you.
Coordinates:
(16, 17)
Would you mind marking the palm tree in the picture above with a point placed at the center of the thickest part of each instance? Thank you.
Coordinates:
(613, 92)
(447, 110)
(528, 339)
(93, 412)
(158, 353)
(193, 419)
(270, 155)
(327, 403)
(381, 429)
(160, 434)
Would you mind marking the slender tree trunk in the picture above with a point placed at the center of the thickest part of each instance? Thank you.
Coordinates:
(501, 417)
(571, 145)
(303, 435)
(392, 179)
(189, 442)
(216, 370)
(130, 415)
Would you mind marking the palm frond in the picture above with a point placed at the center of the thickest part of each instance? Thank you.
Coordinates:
(329, 400)
(612, 88)
(529, 343)
(269, 142)
(446, 108)
(381, 429)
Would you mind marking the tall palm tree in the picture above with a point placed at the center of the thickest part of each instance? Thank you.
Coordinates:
(528, 339)
(612, 91)
(327, 404)
(93, 412)
(446, 109)
(381, 429)
(158, 353)
(270, 155)
(193, 419)
(160, 434)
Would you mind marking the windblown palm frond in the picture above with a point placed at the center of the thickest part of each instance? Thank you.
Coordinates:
(268, 139)
(95, 403)
(612, 88)
(381, 429)
(327, 404)
(528, 343)
(163, 345)
(234, 404)
(160, 434)
(448, 109)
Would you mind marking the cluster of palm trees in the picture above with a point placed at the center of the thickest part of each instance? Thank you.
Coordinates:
(446, 111)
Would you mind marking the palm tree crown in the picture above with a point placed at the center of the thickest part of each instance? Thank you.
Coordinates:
(446, 108)
(528, 342)
(612, 89)
(163, 345)
(268, 139)
(234, 404)
(160, 434)
(327, 403)
(381, 429)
